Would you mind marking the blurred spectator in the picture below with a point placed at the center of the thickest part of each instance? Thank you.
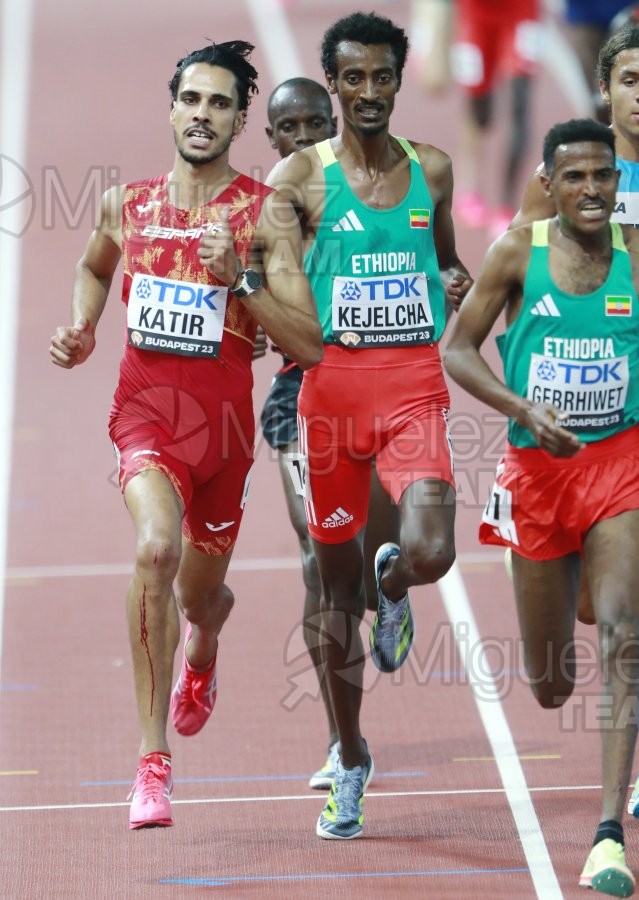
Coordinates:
(431, 38)
(588, 24)
(490, 42)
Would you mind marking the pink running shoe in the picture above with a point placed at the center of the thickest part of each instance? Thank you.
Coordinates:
(193, 696)
(151, 793)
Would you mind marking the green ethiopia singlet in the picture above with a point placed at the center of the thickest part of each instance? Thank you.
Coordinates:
(579, 352)
(374, 272)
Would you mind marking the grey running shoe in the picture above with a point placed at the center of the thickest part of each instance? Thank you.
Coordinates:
(323, 778)
(392, 631)
(343, 815)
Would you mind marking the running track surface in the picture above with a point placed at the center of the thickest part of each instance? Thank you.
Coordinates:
(477, 794)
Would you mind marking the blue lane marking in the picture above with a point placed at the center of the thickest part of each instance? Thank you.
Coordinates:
(220, 882)
(240, 778)
(18, 687)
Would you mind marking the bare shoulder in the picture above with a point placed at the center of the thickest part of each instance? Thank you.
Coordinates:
(511, 251)
(434, 160)
(110, 215)
(299, 178)
(298, 169)
(113, 198)
(277, 212)
(438, 171)
(514, 240)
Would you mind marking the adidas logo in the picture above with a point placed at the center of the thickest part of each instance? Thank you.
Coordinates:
(545, 307)
(337, 519)
(349, 222)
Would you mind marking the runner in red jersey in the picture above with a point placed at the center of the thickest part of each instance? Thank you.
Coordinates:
(182, 417)
(496, 42)
(168, 305)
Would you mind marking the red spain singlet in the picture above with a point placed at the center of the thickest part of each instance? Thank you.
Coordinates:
(183, 401)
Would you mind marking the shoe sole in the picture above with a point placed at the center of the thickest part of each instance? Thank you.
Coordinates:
(160, 823)
(327, 835)
(613, 883)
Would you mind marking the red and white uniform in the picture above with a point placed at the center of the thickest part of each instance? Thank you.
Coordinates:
(183, 403)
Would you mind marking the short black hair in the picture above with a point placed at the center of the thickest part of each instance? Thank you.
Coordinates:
(572, 132)
(314, 88)
(231, 55)
(364, 28)
(627, 38)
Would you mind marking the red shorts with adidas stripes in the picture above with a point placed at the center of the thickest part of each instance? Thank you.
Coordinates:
(390, 404)
(543, 506)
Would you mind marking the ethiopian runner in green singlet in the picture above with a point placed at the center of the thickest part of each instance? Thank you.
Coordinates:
(381, 256)
(567, 489)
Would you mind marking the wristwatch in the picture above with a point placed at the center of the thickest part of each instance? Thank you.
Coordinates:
(247, 282)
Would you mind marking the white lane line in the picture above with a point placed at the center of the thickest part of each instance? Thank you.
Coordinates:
(15, 49)
(276, 40)
(501, 741)
(370, 796)
(561, 62)
(247, 564)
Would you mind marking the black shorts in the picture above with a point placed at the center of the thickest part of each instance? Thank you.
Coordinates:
(279, 415)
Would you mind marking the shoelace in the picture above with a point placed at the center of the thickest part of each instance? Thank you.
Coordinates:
(200, 684)
(348, 784)
(392, 613)
(150, 781)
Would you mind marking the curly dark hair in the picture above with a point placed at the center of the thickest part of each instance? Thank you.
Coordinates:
(364, 28)
(573, 132)
(231, 55)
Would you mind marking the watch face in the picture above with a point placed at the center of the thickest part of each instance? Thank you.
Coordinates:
(252, 279)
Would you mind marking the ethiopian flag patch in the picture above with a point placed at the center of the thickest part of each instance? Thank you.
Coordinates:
(618, 306)
(419, 218)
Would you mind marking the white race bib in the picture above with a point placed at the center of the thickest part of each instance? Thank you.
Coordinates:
(383, 310)
(178, 317)
(592, 392)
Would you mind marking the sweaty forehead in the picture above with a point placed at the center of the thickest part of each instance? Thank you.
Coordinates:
(626, 61)
(201, 78)
(583, 153)
(296, 103)
(353, 55)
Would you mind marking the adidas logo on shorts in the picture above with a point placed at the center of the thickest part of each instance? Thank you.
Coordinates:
(337, 519)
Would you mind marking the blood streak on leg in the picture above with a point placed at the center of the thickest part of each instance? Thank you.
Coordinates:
(144, 640)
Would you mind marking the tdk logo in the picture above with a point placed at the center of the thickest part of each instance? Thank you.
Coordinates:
(175, 293)
(143, 290)
(583, 373)
(350, 291)
(386, 288)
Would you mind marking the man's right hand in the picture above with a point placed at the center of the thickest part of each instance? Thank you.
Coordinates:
(545, 423)
(72, 345)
